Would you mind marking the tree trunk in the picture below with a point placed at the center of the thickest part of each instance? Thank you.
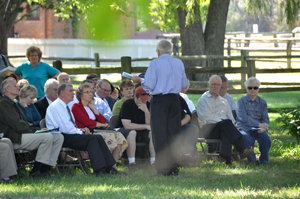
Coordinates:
(192, 39)
(194, 42)
(9, 11)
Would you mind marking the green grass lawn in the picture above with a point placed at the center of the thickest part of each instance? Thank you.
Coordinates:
(208, 179)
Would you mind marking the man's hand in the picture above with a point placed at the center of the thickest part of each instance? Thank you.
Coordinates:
(86, 130)
(143, 107)
(136, 79)
(262, 130)
(263, 125)
(148, 127)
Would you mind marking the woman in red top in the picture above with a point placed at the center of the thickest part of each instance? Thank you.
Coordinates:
(86, 115)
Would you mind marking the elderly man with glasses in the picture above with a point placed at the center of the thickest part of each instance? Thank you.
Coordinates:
(253, 121)
(103, 89)
(216, 121)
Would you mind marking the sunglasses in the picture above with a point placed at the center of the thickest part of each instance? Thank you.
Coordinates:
(250, 88)
(141, 93)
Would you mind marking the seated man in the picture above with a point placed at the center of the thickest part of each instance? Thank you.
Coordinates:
(253, 120)
(223, 93)
(63, 78)
(103, 89)
(134, 120)
(186, 98)
(126, 88)
(50, 89)
(14, 125)
(59, 115)
(8, 166)
(216, 121)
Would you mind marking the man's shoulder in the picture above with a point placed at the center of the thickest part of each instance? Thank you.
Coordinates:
(4, 101)
(41, 101)
(128, 102)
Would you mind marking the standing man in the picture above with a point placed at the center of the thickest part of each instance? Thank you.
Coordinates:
(164, 79)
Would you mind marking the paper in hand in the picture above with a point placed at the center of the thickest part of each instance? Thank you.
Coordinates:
(128, 75)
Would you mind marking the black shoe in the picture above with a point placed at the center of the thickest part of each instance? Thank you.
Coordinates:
(46, 174)
(35, 174)
(114, 171)
(101, 173)
(174, 171)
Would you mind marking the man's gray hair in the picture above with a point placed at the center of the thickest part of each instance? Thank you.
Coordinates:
(214, 77)
(223, 78)
(101, 81)
(164, 47)
(48, 83)
(62, 87)
(251, 80)
(5, 84)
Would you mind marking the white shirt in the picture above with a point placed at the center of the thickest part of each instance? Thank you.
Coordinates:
(230, 101)
(212, 110)
(188, 102)
(75, 100)
(57, 116)
(102, 107)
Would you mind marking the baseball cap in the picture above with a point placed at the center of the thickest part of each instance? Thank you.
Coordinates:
(142, 93)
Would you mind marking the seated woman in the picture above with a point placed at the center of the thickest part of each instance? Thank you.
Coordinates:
(86, 115)
(190, 134)
(26, 96)
(126, 89)
(8, 166)
(253, 120)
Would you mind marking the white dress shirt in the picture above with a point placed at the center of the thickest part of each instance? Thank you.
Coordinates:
(188, 102)
(230, 101)
(212, 110)
(57, 116)
(102, 107)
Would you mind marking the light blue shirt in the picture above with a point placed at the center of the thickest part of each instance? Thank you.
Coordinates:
(37, 75)
(165, 75)
(251, 113)
(230, 101)
(102, 107)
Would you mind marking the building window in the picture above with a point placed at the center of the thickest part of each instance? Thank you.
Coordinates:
(34, 12)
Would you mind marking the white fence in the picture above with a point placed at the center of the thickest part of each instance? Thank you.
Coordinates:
(81, 48)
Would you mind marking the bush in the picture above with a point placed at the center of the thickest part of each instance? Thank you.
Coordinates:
(290, 121)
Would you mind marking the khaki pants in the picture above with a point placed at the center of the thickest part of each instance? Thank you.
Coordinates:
(47, 145)
(8, 166)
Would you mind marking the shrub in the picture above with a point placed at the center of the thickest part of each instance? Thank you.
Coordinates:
(290, 121)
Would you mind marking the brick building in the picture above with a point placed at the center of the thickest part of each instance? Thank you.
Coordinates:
(42, 24)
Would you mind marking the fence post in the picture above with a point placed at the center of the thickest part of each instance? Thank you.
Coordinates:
(251, 68)
(275, 42)
(57, 64)
(243, 64)
(247, 42)
(229, 52)
(294, 41)
(289, 53)
(125, 65)
(97, 62)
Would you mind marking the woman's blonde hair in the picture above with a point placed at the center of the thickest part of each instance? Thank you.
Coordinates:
(28, 90)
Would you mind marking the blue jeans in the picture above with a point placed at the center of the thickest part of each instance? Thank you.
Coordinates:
(264, 141)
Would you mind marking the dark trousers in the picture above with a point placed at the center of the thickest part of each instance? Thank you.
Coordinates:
(100, 155)
(225, 131)
(190, 134)
(166, 127)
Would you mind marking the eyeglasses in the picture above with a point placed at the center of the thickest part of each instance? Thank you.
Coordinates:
(88, 92)
(55, 89)
(141, 93)
(128, 89)
(65, 80)
(254, 87)
(108, 91)
(215, 84)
